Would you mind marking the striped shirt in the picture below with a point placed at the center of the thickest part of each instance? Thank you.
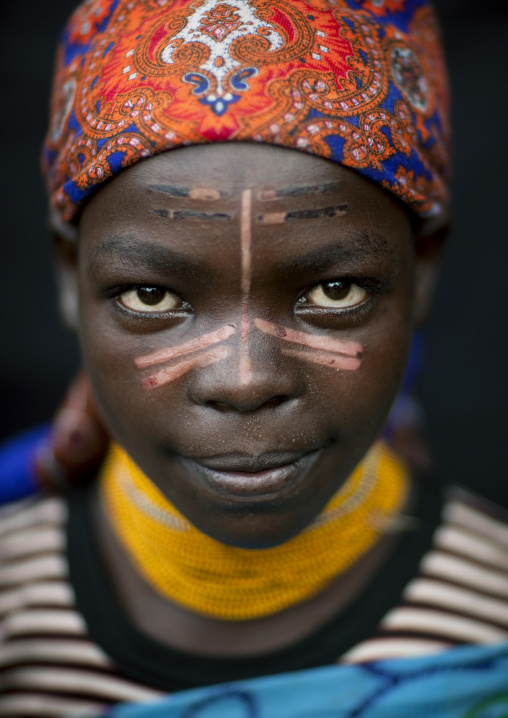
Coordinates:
(50, 665)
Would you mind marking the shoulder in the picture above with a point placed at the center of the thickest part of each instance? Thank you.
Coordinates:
(26, 515)
(32, 540)
(458, 595)
(463, 504)
(474, 530)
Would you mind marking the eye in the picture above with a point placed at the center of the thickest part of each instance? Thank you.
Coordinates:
(339, 295)
(150, 300)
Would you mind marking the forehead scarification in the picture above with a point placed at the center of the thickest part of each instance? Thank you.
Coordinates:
(200, 193)
(302, 214)
(271, 194)
(179, 214)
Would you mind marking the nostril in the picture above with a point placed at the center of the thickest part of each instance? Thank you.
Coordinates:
(226, 407)
(275, 401)
(221, 406)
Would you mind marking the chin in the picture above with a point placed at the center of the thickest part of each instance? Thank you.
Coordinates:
(256, 526)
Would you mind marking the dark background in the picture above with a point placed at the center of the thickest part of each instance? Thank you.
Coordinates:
(463, 384)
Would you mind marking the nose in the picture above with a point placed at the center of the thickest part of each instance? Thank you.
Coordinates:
(248, 378)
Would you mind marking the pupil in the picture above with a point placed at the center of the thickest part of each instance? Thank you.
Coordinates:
(151, 295)
(336, 290)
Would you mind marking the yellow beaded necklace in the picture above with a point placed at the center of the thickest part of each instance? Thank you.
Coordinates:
(207, 577)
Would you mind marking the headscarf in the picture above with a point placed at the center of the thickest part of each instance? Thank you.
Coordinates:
(360, 82)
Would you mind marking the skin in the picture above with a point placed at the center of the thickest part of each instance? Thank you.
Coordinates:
(288, 376)
(288, 403)
(245, 371)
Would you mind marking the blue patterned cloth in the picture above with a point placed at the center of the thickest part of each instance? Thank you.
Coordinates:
(17, 472)
(467, 682)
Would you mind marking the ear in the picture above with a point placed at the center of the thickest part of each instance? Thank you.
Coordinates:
(430, 239)
(65, 243)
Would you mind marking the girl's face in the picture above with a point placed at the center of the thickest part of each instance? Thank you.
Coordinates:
(245, 314)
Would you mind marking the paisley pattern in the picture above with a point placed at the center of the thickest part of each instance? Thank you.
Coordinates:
(361, 82)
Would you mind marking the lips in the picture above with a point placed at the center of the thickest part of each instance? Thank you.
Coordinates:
(242, 476)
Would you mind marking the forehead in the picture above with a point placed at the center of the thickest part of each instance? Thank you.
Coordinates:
(231, 166)
(243, 163)
(294, 198)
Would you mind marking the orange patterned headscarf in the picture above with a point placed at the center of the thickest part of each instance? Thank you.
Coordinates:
(360, 82)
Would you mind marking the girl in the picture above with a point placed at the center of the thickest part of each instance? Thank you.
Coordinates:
(248, 201)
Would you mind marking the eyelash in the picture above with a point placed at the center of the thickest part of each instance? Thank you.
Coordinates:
(354, 314)
(373, 286)
(114, 293)
(351, 316)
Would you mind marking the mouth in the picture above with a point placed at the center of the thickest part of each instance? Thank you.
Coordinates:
(271, 474)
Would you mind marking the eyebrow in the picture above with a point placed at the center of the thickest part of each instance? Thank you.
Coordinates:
(150, 256)
(273, 194)
(337, 210)
(204, 193)
(163, 259)
(359, 245)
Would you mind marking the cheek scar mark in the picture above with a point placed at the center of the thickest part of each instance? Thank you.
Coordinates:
(205, 193)
(338, 210)
(189, 214)
(334, 353)
(205, 340)
(245, 367)
(333, 361)
(170, 373)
